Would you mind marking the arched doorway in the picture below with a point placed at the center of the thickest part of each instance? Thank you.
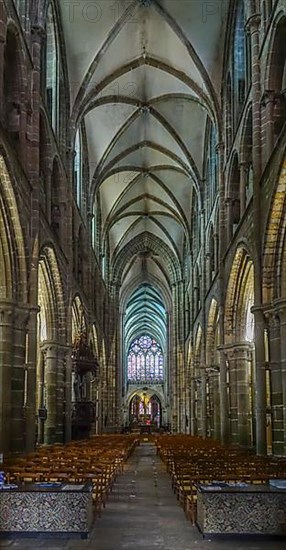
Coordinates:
(145, 409)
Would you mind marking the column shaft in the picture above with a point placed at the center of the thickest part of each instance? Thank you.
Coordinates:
(50, 352)
(6, 357)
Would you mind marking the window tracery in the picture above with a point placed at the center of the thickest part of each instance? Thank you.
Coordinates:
(145, 361)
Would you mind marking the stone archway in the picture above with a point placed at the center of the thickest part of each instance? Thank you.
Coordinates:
(145, 407)
(51, 350)
(14, 317)
(239, 348)
(274, 298)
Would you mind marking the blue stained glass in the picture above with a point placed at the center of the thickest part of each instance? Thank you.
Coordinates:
(145, 362)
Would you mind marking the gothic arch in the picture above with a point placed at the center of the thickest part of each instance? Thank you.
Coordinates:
(272, 267)
(45, 154)
(146, 241)
(198, 343)
(14, 82)
(212, 334)
(233, 194)
(78, 317)
(283, 271)
(155, 282)
(56, 194)
(13, 278)
(239, 297)
(52, 314)
(274, 69)
(275, 76)
(95, 339)
(212, 371)
(245, 156)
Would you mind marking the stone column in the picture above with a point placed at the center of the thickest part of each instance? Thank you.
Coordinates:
(168, 367)
(242, 187)
(253, 27)
(181, 357)
(268, 103)
(198, 405)
(41, 393)
(192, 405)
(276, 383)
(31, 368)
(243, 359)
(174, 386)
(229, 226)
(122, 370)
(61, 393)
(224, 397)
(188, 394)
(203, 402)
(233, 405)
(6, 358)
(214, 402)
(50, 358)
(2, 51)
(260, 382)
(222, 236)
(99, 408)
(68, 389)
(17, 426)
(281, 309)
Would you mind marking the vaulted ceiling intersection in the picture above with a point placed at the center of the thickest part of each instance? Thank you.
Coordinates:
(145, 82)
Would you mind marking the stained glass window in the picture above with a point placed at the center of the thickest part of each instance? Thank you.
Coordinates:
(145, 361)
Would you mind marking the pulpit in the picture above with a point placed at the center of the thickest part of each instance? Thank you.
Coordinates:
(84, 371)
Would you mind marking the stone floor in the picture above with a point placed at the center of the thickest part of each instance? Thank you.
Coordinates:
(142, 513)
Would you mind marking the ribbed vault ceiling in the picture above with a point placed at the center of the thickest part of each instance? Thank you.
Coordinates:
(145, 314)
(145, 78)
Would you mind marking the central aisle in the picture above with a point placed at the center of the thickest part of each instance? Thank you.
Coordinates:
(142, 513)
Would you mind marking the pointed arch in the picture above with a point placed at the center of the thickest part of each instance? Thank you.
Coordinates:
(52, 315)
(13, 273)
(272, 267)
(13, 83)
(239, 321)
(212, 339)
(78, 317)
(276, 72)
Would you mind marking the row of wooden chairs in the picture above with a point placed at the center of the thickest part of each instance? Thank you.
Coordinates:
(193, 460)
(97, 460)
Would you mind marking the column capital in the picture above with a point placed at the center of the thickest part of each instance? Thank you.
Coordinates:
(279, 308)
(38, 33)
(213, 370)
(22, 315)
(232, 351)
(6, 312)
(228, 201)
(63, 350)
(272, 318)
(252, 25)
(243, 164)
(48, 346)
(220, 147)
(258, 309)
(268, 96)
